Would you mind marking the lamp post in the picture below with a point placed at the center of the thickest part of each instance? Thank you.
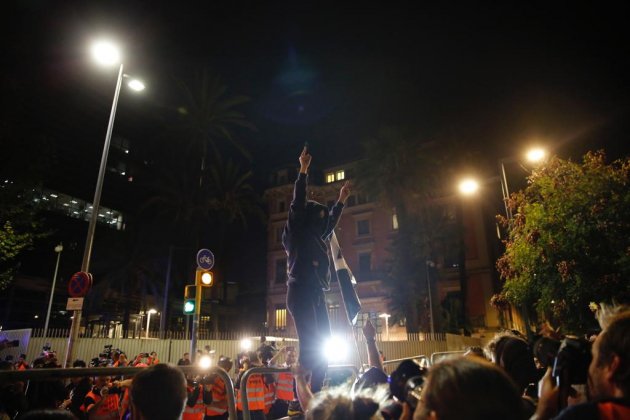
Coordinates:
(429, 264)
(533, 155)
(58, 250)
(107, 54)
(149, 312)
(386, 316)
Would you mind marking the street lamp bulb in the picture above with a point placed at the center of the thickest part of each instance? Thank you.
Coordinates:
(536, 155)
(468, 186)
(136, 85)
(106, 53)
(59, 248)
(152, 311)
(384, 316)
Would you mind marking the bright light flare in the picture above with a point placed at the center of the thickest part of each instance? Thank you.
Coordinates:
(246, 344)
(205, 362)
(468, 186)
(189, 306)
(152, 311)
(536, 155)
(336, 349)
(106, 53)
(136, 85)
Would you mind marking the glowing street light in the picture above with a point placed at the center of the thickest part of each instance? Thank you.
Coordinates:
(136, 85)
(535, 155)
(149, 312)
(468, 186)
(106, 53)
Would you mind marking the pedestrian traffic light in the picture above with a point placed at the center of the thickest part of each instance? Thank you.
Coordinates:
(204, 278)
(189, 306)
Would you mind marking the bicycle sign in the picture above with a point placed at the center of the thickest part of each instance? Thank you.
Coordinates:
(205, 259)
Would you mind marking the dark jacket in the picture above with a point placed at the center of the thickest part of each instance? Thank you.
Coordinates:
(306, 236)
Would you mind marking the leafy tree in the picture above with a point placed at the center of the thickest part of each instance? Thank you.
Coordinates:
(569, 240)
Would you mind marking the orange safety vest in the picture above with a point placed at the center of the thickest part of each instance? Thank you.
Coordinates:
(106, 411)
(255, 393)
(219, 399)
(284, 388)
(197, 411)
(611, 410)
(270, 393)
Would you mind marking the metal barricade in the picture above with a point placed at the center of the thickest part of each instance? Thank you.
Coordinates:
(43, 374)
(424, 360)
(436, 357)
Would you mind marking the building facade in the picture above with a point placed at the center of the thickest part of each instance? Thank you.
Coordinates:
(365, 233)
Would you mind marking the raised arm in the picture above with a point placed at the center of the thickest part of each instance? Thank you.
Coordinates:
(369, 332)
(337, 209)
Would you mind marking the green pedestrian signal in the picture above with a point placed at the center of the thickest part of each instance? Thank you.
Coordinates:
(189, 306)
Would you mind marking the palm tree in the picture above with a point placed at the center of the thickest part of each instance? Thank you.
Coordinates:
(402, 173)
(209, 116)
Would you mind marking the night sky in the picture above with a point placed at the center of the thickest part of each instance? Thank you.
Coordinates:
(493, 77)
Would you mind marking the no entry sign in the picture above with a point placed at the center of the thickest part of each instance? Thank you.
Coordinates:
(79, 284)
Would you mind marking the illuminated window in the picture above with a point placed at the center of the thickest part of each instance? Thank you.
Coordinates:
(330, 177)
(395, 221)
(281, 317)
(340, 175)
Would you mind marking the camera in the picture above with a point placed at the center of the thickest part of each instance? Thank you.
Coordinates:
(571, 363)
(400, 378)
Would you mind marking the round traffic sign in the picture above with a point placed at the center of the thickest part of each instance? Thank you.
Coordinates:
(80, 283)
(205, 259)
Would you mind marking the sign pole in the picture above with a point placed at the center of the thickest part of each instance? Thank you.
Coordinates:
(195, 324)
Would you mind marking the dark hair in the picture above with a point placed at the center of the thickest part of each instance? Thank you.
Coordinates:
(469, 388)
(615, 341)
(515, 356)
(48, 414)
(79, 363)
(159, 392)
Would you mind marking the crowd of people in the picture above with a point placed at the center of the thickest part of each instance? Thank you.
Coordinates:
(511, 378)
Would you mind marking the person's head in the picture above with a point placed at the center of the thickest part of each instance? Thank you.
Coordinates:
(79, 364)
(338, 403)
(122, 358)
(153, 354)
(22, 358)
(316, 216)
(186, 356)
(101, 381)
(48, 415)
(158, 392)
(290, 356)
(116, 356)
(468, 388)
(225, 363)
(513, 354)
(609, 371)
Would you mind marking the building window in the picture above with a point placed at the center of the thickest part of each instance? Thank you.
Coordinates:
(282, 206)
(330, 177)
(363, 227)
(395, 221)
(281, 270)
(281, 317)
(363, 198)
(365, 263)
(340, 175)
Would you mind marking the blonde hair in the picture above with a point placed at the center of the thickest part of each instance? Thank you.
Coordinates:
(339, 403)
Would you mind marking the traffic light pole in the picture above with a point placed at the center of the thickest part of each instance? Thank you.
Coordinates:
(195, 324)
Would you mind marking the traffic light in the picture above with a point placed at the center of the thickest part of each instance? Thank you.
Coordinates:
(189, 306)
(204, 278)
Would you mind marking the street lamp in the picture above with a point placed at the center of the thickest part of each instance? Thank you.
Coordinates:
(386, 317)
(105, 53)
(58, 250)
(149, 312)
(533, 155)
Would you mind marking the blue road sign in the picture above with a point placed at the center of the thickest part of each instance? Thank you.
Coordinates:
(205, 259)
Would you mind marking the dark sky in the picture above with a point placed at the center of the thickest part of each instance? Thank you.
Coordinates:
(492, 76)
